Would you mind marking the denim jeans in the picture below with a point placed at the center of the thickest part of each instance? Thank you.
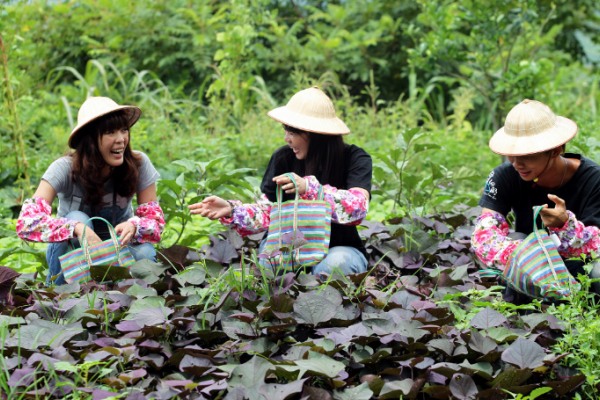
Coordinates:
(144, 251)
(343, 259)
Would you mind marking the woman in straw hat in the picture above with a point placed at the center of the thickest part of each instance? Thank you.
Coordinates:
(98, 178)
(538, 172)
(319, 159)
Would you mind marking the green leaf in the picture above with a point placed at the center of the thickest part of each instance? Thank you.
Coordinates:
(318, 364)
(360, 392)
(396, 389)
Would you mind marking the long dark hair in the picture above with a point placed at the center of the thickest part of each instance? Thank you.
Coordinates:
(325, 159)
(88, 161)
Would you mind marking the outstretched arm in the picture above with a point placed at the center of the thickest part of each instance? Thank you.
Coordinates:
(246, 219)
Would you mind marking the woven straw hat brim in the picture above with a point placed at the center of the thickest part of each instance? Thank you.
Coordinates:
(133, 114)
(324, 126)
(560, 133)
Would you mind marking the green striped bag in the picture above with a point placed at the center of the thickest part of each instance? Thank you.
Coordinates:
(536, 269)
(299, 232)
(76, 264)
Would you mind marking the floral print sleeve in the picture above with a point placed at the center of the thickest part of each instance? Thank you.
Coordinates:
(349, 207)
(248, 219)
(576, 238)
(36, 224)
(149, 222)
(490, 240)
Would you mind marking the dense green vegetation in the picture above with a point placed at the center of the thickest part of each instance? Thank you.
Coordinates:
(422, 85)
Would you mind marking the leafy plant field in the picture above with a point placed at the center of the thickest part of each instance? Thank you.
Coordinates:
(422, 85)
(210, 324)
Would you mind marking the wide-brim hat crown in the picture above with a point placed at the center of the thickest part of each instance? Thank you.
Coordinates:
(532, 127)
(96, 107)
(310, 110)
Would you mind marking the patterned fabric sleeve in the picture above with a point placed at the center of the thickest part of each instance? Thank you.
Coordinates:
(576, 238)
(36, 224)
(248, 219)
(349, 207)
(149, 222)
(490, 240)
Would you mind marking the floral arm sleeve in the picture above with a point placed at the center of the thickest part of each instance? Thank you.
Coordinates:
(576, 238)
(490, 240)
(149, 222)
(36, 224)
(349, 207)
(248, 219)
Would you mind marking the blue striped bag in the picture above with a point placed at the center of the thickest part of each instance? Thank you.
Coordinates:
(76, 264)
(536, 269)
(299, 232)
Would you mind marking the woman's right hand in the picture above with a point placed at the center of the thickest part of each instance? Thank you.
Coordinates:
(90, 235)
(212, 207)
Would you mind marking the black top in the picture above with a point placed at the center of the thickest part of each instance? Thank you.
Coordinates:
(505, 191)
(358, 167)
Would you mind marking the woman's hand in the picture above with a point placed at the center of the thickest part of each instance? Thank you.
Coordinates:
(125, 231)
(557, 216)
(212, 207)
(288, 186)
(90, 235)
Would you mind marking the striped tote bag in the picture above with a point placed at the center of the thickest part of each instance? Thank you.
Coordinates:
(536, 269)
(76, 264)
(299, 232)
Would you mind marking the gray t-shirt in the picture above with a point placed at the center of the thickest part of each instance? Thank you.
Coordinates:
(70, 195)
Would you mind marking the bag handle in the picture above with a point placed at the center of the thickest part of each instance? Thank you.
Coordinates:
(279, 196)
(536, 213)
(85, 244)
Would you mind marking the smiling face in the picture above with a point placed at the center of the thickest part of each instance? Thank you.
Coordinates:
(530, 166)
(112, 145)
(298, 141)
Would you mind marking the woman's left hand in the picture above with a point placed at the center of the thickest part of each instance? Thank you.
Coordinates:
(125, 231)
(288, 186)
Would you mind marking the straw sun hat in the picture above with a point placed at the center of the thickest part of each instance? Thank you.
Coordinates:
(312, 111)
(531, 127)
(96, 107)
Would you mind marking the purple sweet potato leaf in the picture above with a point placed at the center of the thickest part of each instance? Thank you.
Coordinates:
(7, 275)
(22, 377)
(487, 318)
(511, 377)
(561, 388)
(149, 316)
(444, 345)
(463, 387)
(180, 256)
(40, 333)
(223, 252)
(318, 306)
(482, 344)
(524, 354)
